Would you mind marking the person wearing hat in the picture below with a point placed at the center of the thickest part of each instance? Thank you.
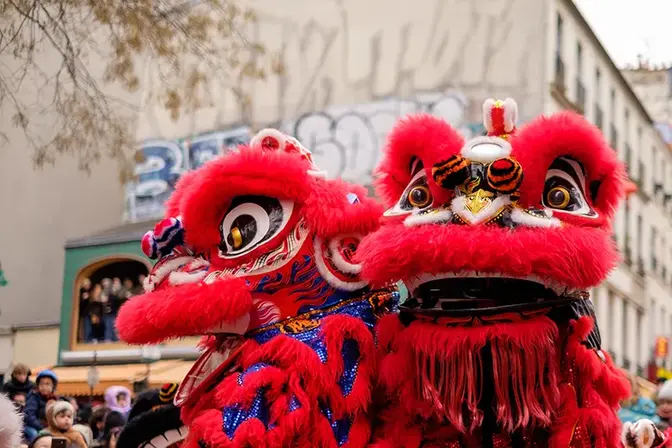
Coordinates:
(35, 412)
(19, 383)
(60, 418)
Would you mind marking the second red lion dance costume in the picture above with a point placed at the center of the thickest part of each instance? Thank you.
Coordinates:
(290, 357)
(498, 239)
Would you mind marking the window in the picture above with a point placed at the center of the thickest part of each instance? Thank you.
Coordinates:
(624, 333)
(610, 322)
(579, 60)
(640, 337)
(599, 119)
(558, 40)
(101, 290)
(654, 240)
(612, 105)
(639, 240)
(628, 243)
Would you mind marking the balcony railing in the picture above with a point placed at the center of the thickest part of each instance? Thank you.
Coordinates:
(654, 264)
(640, 371)
(628, 158)
(626, 363)
(599, 116)
(580, 96)
(613, 137)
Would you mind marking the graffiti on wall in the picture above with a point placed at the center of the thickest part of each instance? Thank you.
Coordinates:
(161, 162)
(346, 141)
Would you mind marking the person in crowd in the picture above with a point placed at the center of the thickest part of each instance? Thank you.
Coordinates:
(95, 314)
(664, 405)
(86, 432)
(10, 424)
(84, 320)
(42, 440)
(140, 287)
(35, 412)
(109, 299)
(637, 407)
(19, 381)
(128, 286)
(84, 414)
(97, 422)
(114, 423)
(19, 400)
(60, 419)
(74, 404)
(118, 398)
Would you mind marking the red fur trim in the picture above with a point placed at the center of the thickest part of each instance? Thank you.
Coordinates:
(174, 202)
(336, 329)
(185, 310)
(567, 134)
(394, 252)
(329, 212)
(598, 385)
(430, 139)
(245, 171)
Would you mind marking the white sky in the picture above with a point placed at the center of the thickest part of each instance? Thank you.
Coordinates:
(627, 28)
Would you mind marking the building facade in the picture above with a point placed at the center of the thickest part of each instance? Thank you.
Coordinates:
(634, 306)
(350, 73)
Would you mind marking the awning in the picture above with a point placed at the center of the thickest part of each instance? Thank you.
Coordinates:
(72, 381)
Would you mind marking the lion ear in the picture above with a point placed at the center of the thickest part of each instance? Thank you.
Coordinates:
(335, 260)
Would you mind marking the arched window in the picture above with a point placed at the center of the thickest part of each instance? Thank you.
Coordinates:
(101, 288)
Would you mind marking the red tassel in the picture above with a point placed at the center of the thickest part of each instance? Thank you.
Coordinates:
(449, 371)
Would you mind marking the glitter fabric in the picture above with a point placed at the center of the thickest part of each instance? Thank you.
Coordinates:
(234, 416)
(294, 404)
(307, 328)
(350, 353)
(341, 428)
(253, 368)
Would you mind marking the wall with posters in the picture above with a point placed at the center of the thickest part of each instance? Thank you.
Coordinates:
(346, 141)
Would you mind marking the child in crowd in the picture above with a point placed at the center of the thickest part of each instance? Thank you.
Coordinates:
(19, 400)
(664, 405)
(118, 398)
(35, 412)
(19, 381)
(43, 440)
(61, 416)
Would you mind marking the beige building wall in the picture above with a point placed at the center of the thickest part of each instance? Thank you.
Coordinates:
(42, 208)
(355, 52)
(36, 347)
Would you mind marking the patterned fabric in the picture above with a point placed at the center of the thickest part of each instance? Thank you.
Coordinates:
(308, 329)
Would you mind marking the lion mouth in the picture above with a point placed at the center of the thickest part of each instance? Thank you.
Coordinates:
(473, 292)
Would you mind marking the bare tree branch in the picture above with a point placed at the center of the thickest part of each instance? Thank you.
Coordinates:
(83, 104)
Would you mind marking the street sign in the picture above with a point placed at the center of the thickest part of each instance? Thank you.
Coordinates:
(662, 347)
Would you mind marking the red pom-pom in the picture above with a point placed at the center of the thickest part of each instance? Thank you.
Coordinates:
(270, 143)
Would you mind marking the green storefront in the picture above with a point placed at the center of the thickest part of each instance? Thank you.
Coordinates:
(111, 254)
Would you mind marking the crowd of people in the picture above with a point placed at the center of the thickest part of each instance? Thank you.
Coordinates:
(46, 415)
(657, 409)
(99, 304)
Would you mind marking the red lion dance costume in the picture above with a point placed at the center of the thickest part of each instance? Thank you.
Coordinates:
(498, 240)
(290, 356)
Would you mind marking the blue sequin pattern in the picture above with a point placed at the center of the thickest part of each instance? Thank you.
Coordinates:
(235, 415)
(368, 308)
